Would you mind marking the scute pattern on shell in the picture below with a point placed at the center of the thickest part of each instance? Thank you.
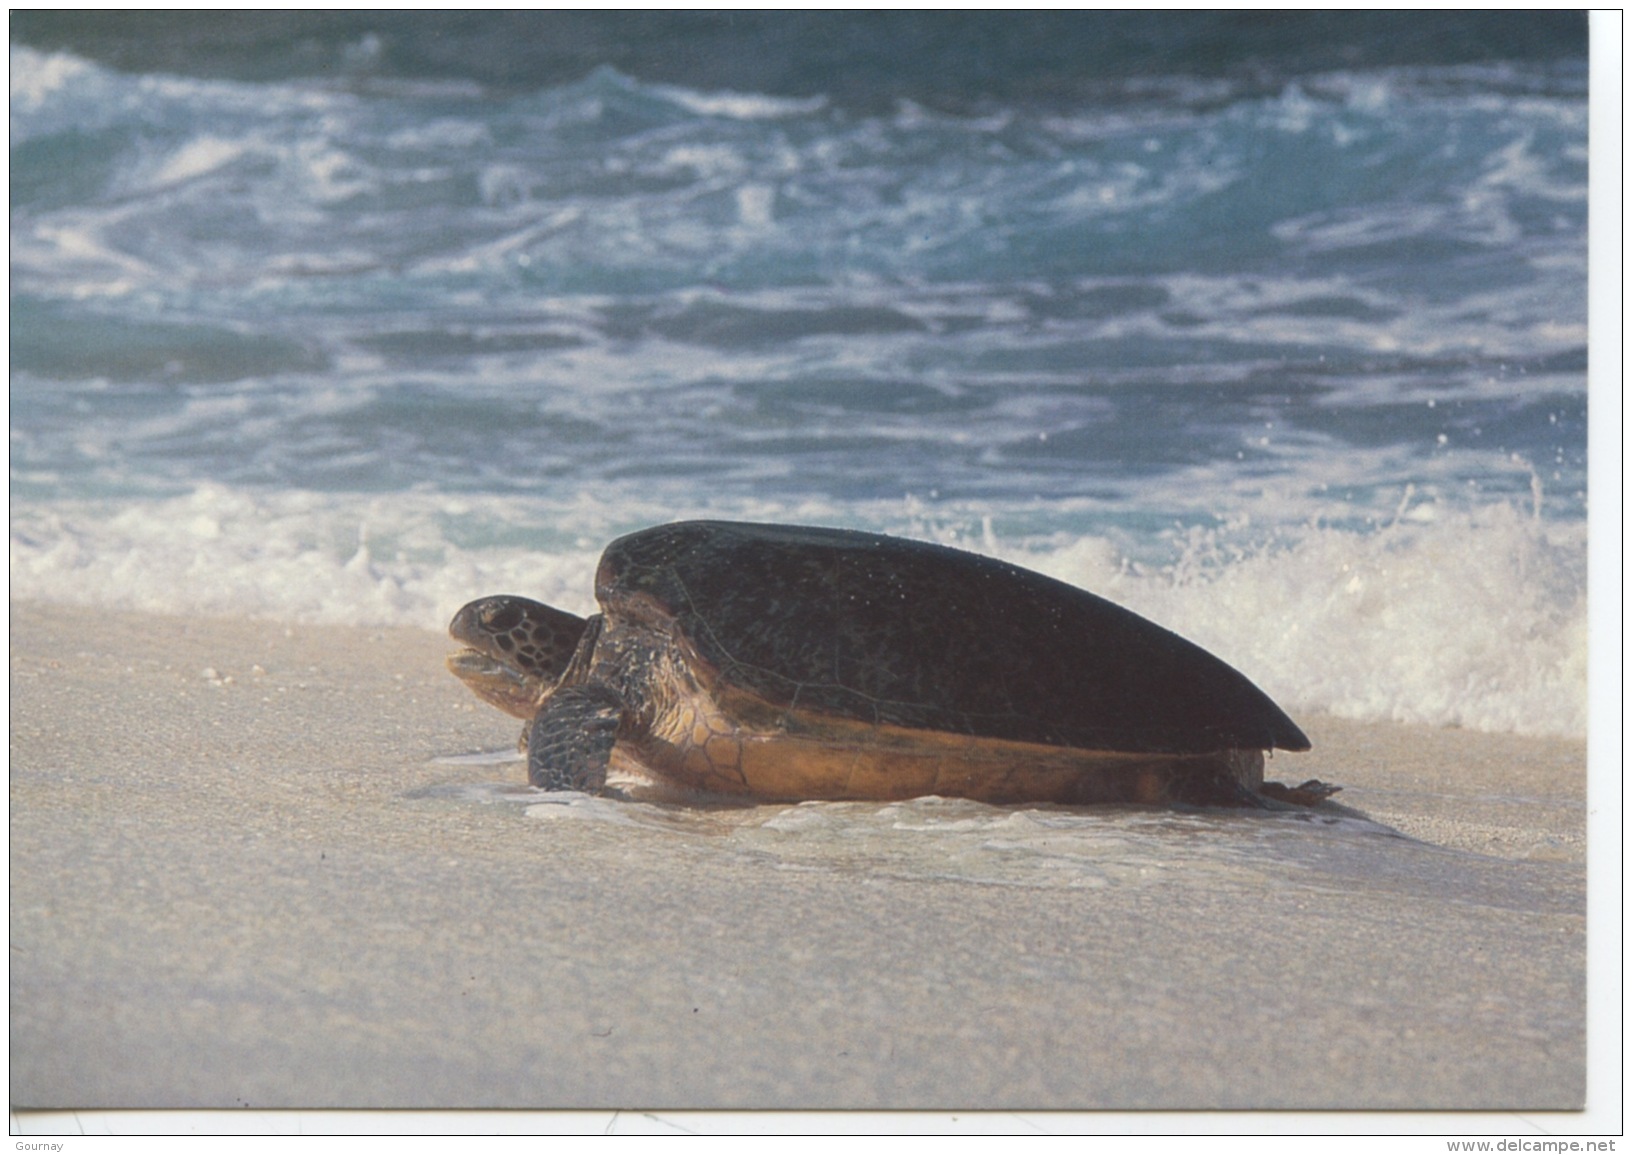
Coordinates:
(882, 629)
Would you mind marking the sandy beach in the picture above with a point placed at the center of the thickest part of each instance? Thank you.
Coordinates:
(241, 876)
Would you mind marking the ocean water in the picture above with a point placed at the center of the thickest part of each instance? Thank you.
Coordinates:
(1291, 359)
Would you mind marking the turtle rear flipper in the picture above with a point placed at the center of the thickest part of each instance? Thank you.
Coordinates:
(1310, 793)
(571, 740)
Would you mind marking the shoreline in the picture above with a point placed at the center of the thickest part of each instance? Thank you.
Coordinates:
(240, 877)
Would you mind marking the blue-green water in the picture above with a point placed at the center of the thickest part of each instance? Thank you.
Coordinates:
(1290, 357)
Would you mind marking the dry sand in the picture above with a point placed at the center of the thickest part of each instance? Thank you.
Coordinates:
(234, 882)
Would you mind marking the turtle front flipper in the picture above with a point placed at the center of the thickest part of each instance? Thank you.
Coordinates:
(571, 740)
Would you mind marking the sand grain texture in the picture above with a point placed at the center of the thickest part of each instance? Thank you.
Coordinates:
(237, 880)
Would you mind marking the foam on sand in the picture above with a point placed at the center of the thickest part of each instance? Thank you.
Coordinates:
(1473, 619)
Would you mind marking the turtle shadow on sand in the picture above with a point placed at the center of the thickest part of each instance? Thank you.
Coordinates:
(756, 663)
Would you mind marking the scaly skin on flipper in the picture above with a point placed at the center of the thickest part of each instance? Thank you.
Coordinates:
(784, 662)
(571, 742)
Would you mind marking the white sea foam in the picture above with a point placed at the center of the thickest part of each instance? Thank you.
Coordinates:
(1473, 619)
(1476, 619)
(395, 349)
(37, 76)
(1032, 848)
(740, 105)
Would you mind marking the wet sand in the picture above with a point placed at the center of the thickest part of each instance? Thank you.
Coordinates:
(239, 878)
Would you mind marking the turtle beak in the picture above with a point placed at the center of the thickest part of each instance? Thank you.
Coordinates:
(471, 625)
(496, 683)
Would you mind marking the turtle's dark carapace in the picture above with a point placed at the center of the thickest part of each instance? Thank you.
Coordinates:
(883, 629)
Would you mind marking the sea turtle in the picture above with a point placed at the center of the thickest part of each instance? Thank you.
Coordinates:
(788, 662)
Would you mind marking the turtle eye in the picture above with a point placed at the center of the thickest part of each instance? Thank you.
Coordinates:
(504, 616)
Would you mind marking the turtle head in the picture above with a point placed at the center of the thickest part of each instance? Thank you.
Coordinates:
(518, 649)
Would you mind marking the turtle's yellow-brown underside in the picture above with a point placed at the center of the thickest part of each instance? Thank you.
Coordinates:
(744, 745)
